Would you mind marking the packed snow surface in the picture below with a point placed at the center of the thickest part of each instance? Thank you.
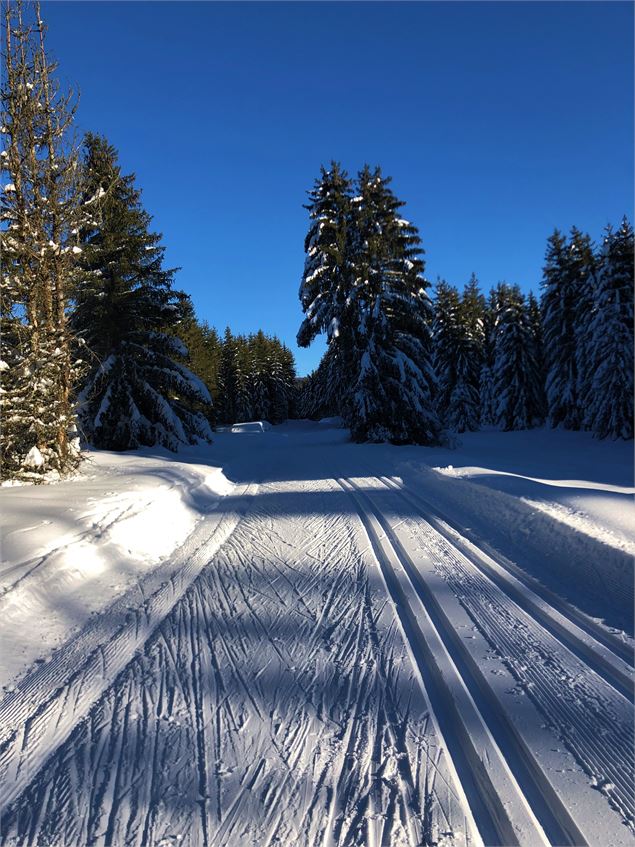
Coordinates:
(69, 549)
(335, 421)
(293, 639)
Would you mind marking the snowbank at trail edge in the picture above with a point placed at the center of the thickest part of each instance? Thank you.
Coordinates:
(557, 503)
(578, 480)
(69, 549)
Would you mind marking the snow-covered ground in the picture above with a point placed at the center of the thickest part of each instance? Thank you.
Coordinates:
(69, 549)
(285, 638)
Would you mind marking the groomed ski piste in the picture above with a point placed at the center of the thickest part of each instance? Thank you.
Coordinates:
(288, 639)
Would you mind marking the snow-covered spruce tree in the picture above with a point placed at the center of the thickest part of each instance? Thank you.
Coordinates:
(466, 413)
(324, 286)
(534, 316)
(582, 263)
(327, 279)
(308, 396)
(516, 383)
(319, 395)
(258, 377)
(563, 304)
(445, 334)
(137, 392)
(281, 382)
(609, 397)
(486, 376)
(391, 316)
(41, 212)
(457, 334)
(229, 377)
(290, 380)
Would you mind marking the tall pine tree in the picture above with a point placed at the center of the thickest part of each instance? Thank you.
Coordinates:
(516, 381)
(320, 394)
(609, 395)
(323, 290)
(534, 316)
(138, 392)
(327, 278)
(464, 406)
(391, 313)
(487, 404)
(445, 333)
(363, 286)
(458, 354)
(564, 306)
(229, 379)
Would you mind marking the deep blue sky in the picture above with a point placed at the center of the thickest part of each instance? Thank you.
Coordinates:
(498, 121)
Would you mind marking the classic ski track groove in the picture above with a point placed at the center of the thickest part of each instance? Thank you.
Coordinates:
(193, 737)
(543, 601)
(607, 759)
(501, 812)
(606, 751)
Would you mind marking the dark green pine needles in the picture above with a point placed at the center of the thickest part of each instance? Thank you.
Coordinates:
(137, 392)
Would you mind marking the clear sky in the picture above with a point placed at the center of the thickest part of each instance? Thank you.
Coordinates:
(498, 122)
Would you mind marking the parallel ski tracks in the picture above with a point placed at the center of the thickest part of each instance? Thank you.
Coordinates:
(508, 796)
(275, 704)
(40, 714)
(446, 666)
(581, 634)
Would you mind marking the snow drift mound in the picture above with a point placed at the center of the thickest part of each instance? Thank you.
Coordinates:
(70, 549)
(592, 571)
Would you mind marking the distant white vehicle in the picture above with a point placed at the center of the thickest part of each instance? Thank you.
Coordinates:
(252, 426)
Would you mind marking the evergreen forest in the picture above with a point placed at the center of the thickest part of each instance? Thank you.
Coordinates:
(100, 346)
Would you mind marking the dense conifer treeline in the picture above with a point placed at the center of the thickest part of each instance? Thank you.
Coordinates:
(511, 361)
(256, 379)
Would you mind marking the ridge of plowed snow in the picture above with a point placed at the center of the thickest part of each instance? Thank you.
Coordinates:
(88, 540)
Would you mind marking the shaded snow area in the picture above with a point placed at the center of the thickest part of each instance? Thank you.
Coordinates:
(285, 638)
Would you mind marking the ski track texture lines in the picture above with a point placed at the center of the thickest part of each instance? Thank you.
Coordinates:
(325, 661)
(276, 704)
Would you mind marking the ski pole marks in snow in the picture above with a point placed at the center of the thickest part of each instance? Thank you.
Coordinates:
(581, 710)
(38, 715)
(302, 690)
(276, 704)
